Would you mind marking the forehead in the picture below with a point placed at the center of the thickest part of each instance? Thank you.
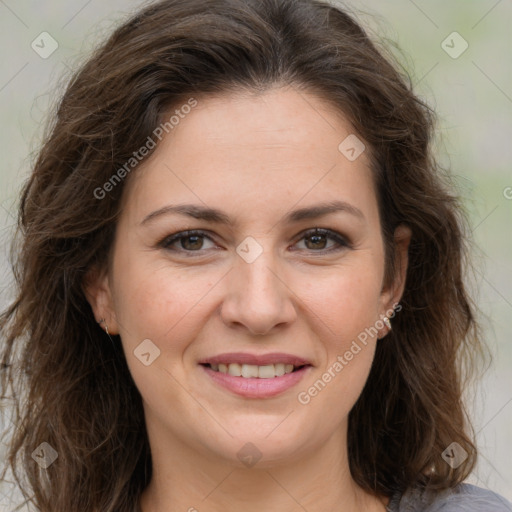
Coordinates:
(279, 146)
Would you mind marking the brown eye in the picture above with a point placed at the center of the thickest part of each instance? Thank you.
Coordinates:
(191, 242)
(186, 241)
(317, 240)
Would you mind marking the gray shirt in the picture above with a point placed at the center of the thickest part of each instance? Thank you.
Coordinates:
(462, 498)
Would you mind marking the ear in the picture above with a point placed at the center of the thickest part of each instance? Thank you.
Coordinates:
(98, 293)
(392, 294)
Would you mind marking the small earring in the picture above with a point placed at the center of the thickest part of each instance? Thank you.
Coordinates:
(102, 321)
(387, 322)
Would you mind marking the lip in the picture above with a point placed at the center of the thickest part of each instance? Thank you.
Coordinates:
(258, 360)
(256, 387)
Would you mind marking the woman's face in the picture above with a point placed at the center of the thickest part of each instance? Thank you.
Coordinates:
(256, 285)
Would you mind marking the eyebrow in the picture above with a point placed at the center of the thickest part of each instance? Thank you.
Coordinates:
(219, 217)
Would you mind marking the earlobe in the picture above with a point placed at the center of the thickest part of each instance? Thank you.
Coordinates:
(402, 237)
(394, 291)
(97, 291)
(392, 294)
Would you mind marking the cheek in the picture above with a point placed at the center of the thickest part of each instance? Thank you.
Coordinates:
(346, 299)
(158, 303)
(165, 309)
(346, 304)
(347, 310)
(167, 305)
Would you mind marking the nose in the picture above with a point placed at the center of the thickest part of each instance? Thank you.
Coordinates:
(258, 298)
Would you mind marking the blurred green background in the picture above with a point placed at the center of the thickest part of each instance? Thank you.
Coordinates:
(471, 92)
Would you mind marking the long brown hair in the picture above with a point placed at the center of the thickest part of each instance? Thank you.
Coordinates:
(71, 384)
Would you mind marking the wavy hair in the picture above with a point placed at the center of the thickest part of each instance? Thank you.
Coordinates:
(71, 384)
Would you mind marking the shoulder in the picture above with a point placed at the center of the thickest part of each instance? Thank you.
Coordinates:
(462, 498)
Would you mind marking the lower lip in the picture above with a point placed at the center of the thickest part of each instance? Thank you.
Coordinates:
(255, 387)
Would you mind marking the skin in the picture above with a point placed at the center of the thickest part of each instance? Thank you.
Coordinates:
(256, 157)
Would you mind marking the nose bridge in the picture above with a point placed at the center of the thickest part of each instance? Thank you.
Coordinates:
(257, 297)
(260, 276)
(256, 262)
(259, 284)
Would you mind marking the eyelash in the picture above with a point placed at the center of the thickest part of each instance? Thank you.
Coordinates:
(333, 235)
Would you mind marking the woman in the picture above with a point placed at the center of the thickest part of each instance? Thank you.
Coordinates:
(241, 279)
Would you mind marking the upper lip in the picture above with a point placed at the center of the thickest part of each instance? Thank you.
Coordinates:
(255, 359)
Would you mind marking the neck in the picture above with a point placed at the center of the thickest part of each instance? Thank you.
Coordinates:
(315, 480)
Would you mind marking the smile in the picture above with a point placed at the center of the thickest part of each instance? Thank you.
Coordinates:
(252, 381)
(268, 371)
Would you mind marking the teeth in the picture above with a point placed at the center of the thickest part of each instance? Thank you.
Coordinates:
(279, 369)
(235, 370)
(268, 371)
(247, 370)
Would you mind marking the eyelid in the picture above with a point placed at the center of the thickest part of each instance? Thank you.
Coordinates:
(168, 239)
(341, 240)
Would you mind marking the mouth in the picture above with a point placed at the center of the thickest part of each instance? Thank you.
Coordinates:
(254, 381)
(252, 371)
